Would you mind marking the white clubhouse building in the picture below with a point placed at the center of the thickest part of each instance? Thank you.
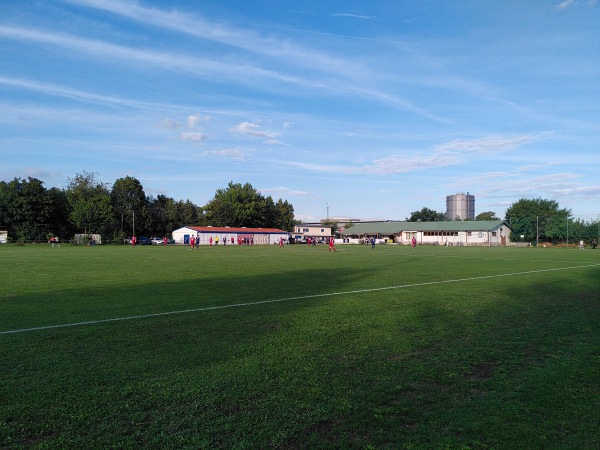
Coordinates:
(229, 235)
(468, 232)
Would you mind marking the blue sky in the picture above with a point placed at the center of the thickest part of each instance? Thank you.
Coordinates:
(347, 108)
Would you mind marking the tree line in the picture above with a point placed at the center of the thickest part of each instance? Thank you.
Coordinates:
(531, 220)
(30, 212)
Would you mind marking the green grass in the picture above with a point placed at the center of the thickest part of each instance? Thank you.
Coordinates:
(455, 352)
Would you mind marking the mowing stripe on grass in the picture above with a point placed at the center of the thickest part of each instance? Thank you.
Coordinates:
(303, 297)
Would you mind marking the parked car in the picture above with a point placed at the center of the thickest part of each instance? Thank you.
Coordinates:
(141, 240)
(157, 241)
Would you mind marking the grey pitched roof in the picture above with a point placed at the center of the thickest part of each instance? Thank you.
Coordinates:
(390, 228)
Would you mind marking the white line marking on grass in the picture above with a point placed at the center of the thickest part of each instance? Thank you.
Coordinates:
(303, 297)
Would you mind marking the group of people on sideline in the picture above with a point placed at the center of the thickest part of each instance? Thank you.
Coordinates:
(582, 244)
(195, 242)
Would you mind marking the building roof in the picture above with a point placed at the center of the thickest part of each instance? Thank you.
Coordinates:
(389, 228)
(236, 230)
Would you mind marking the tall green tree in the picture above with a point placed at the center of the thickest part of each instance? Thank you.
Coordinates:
(240, 206)
(59, 218)
(487, 215)
(166, 214)
(130, 204)
(331, 223)
(284, 215)
(26, 208)
(10, 206)
(426, 215)
(173, 219)
(269, 217)
(537, 219)
(90, 203)
(187, 213)
(159, 213)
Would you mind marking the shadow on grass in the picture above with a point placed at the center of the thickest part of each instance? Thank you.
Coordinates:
(441, 367)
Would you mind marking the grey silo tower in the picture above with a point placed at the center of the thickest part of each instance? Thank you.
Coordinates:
(460, 206)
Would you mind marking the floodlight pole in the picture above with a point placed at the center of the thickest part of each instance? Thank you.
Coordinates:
(133, 223)
(537, 231)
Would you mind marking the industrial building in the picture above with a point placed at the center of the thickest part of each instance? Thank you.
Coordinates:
(460, 207)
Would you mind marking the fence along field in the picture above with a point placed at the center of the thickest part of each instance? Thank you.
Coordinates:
(299, 348)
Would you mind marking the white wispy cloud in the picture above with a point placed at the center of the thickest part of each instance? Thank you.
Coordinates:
(170, 124)
(526, 181)
(351, 78)
(488, 144)
(565, 4)
(393, 100)
(193, 121)
(355, 16)
(192, 136)
(198, 26)
(204, 67)
(78, 95)
(443, 155)
(284, 192)
(284, 53)
(387, 165)
(252, 130)
(230, 153)
(194, 132)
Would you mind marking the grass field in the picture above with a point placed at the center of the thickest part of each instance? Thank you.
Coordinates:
(298, 348)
